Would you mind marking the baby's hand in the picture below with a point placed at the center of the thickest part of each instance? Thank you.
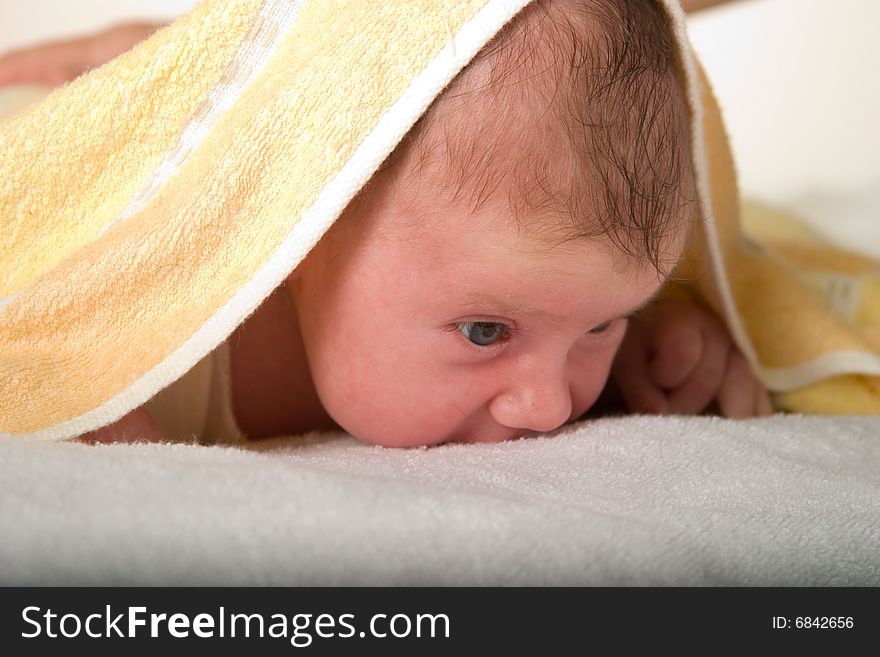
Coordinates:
(61, 61)
(677, 358)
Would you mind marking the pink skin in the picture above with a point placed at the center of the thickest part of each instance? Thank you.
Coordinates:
(380, 314)
(382, 297)
(61, 61)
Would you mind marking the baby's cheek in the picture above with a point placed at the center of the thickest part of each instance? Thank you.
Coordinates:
(376, 399)
(345, 379)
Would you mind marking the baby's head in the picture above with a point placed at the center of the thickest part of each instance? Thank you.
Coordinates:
(479, 286)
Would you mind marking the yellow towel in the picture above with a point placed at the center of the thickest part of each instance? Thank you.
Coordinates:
(150, 206)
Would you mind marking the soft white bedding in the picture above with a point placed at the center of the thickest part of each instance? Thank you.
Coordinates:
(788, 500)
(636, 500)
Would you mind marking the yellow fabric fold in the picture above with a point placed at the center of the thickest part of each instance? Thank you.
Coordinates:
(803, 312)
(148, 207)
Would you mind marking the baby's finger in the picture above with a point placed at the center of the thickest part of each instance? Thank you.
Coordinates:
(763, 403)
(702, 386)
(739, 393)
(677, 348)
(630, 372)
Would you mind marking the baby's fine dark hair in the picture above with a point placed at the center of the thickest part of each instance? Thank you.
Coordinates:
(608, 148)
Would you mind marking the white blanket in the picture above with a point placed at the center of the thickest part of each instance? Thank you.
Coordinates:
(637, 500)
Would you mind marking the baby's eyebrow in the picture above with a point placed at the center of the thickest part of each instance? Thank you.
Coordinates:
(496, 305)
(501, 306)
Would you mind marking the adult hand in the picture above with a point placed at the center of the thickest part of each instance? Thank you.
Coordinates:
(61, 61)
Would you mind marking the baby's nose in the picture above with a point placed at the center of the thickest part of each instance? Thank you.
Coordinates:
(539, 401)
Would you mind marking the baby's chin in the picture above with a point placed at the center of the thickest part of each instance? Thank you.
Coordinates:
(398, 439)
(409, 440)
(406, 441)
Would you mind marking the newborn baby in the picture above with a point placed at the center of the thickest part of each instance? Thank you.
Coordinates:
(505, 262)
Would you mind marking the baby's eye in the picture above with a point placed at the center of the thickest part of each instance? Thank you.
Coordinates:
(482, 334)
(604, 326)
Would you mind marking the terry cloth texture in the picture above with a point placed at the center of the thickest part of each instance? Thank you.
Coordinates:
(790, 500)
(147, 208)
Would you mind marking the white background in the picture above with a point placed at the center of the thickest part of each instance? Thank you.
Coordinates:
(797, 80)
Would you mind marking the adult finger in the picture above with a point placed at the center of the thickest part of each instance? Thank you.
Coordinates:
(50, 64)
